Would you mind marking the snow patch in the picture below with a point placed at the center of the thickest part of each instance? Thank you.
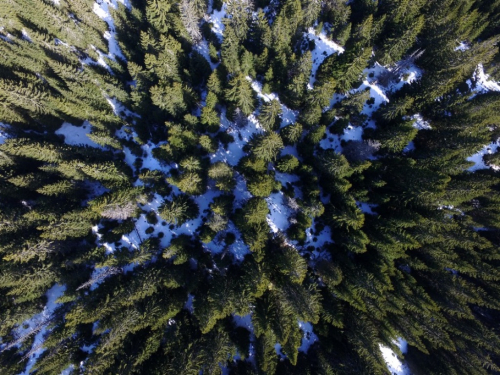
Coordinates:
(367, 208)
(394, 364)
(318, 241)
(234, 151)
(463, 46)
(352, 133)
(309, 336)
(216, 20)
(119, 109)
(420, 123)
(244, 321)
(202, 49)
(483, 82)
(3, 134)
(101, 8)
(77, 135)
(288, 116)
(477, 158)
(279, 212)
(25, 35)
(189, 303)
(43, 318)
(324, 47)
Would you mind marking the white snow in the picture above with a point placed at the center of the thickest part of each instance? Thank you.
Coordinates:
(244, 321)
(119, 109)
(279, 212)
(277, 347)
(463, 46)
(420, 123)
(352, 133)
(8, 37)
(189, 303)
(409, 147)
(150, 162)
(288, 116)
(408, 74)
(3, 134)
(325, 236)
(216, 19)
(482, 81)
(394, 364)
(56, 2)
(25, 35)
(101, 8)
(367, 208)
(332, 141)
(234, 151)
(238, 249)
(477, 158)
(324, 47)
(309, 336)
(77, 135)
(202, 48)
(52, 295)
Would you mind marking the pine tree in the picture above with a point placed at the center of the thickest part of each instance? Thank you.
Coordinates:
(267, 146)
(269, 117)
(241, 95)
(180, 209)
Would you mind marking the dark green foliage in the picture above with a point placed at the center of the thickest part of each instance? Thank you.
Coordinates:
(146, 232)
(178, 210)
(287, 164)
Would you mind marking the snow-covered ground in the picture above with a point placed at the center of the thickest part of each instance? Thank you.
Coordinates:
(3, 134)
(477, 158)
(202, 48)
(101, 8)
(481, 81)
(234, 151)
(420, 123)
(120, 110)
(394, 364)
(280, 213)
(367, 208)
(44, 317)
(216, 19)
(309, 336)
(324, 47)
(288, 116)
(77, 135)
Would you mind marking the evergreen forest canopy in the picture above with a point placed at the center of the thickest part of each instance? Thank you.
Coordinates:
(249, 187)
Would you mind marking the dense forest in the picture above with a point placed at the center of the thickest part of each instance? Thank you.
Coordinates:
(249, 187)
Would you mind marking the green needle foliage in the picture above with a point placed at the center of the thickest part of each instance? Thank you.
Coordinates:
(159, 214)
